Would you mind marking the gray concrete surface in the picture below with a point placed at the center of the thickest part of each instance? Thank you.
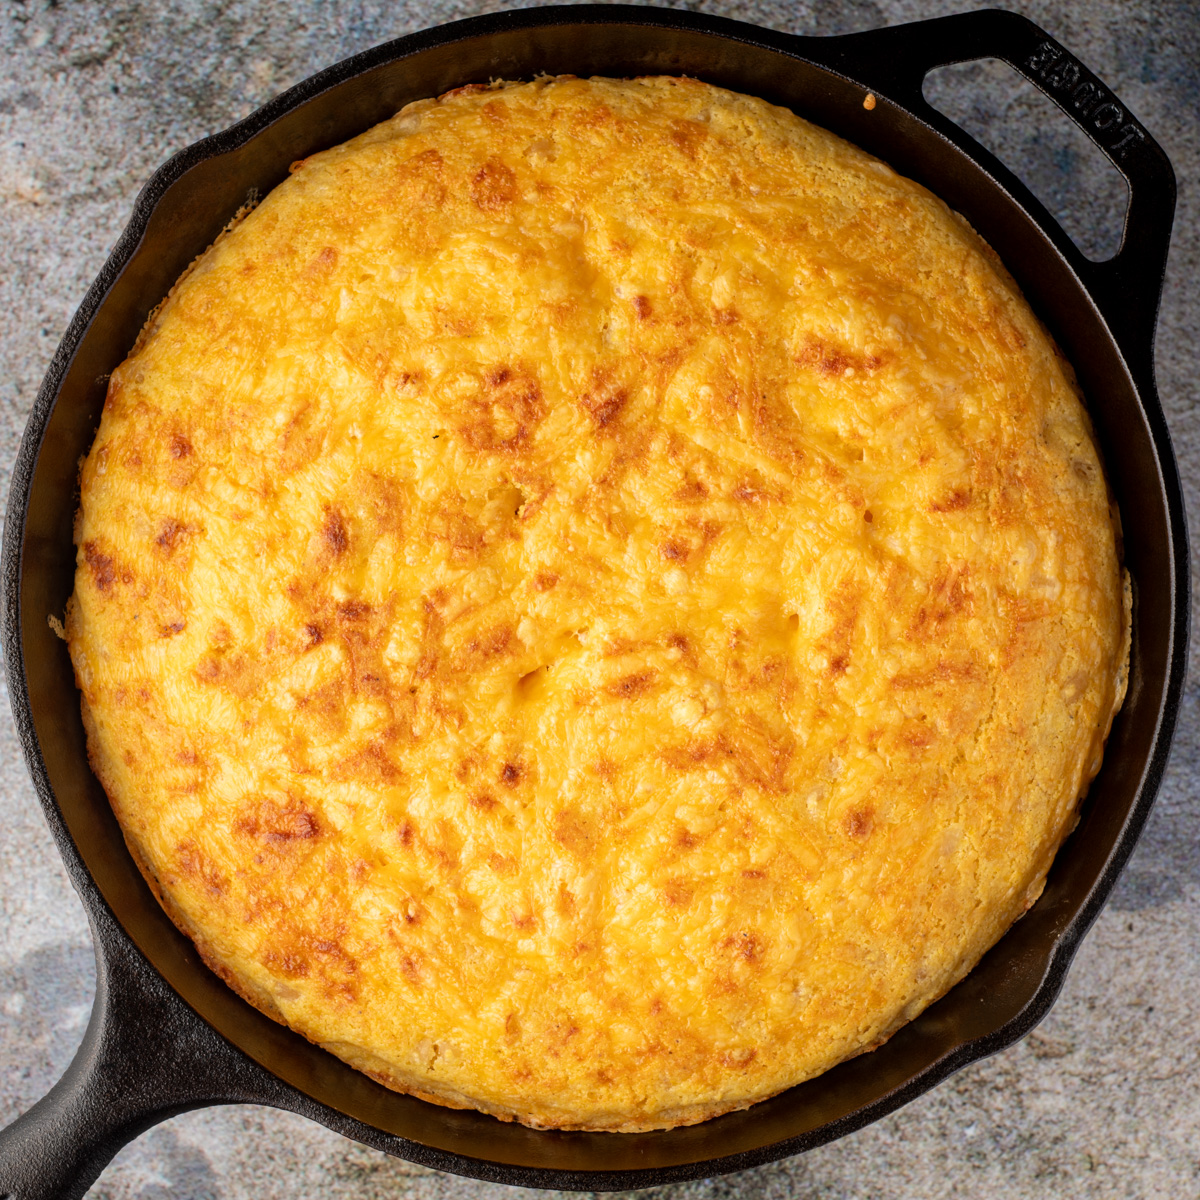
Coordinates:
(1100, 1101)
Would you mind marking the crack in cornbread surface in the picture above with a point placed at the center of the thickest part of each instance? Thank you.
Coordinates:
(596, 601)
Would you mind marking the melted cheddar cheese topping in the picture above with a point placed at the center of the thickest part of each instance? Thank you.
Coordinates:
(596, 601)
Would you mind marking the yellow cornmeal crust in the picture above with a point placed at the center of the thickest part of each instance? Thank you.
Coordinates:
(596, 601)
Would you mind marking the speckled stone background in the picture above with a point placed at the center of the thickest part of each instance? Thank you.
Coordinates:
(1102, 1099)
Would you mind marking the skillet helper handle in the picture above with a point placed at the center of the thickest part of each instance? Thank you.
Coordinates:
(145, 1057)
(1128, 286)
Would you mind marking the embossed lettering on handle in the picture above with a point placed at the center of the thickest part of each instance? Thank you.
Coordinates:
(1066, 78)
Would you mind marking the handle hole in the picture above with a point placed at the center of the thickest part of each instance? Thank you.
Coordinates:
(1047, 151)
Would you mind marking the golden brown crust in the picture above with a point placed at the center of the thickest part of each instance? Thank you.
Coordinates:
(596, 601)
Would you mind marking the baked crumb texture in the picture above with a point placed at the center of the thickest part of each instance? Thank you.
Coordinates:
(596, 601)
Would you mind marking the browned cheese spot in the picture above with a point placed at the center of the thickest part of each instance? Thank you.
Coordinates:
(642, 307)
(446, 851)
(510, 774)
(956, 501)
(604, 403)
(918, 735)
(284, 962)
(685, 839)
(738, 1059)
(692, 491)
(335, 953)
(688, 137)
(495, 112)
(504, 414)
(420, 179)
(502, 865)
(484, 801)
(279, 825)
(606, 769)
(831, 359)
(169, 534)
(559, 1033)
(102, 566)
(467, 89)
(746, 946)
(630, 686)
(301, 441)
(564, 901)
(843, 605)
(370, 763)
(490, 643)
(859, 822)
(950, 595)
(334, 532)
(944, 672)
(179, 446)
(574, 832)
(466, 766)
(197, 868)
(494, 186)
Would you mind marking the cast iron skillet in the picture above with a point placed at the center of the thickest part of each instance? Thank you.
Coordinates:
(166, 1035)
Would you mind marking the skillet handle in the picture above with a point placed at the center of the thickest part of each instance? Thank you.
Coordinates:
(145, 1057)
(1127, 287)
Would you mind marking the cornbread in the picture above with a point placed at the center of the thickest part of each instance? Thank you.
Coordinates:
(596, 601)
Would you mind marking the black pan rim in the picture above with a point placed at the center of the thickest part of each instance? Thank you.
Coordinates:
(11, 565)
